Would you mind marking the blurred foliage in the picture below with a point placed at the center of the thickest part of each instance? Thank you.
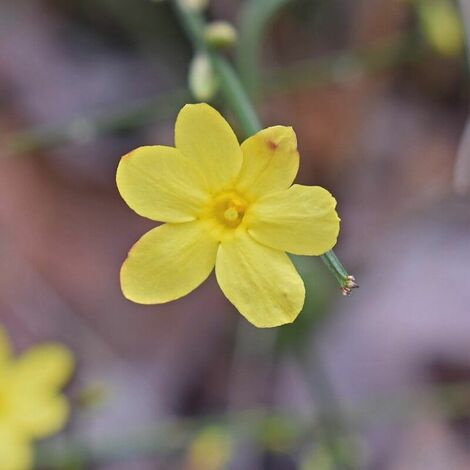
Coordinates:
(317, 458)
(321, 17)
(148, 28)
(277, 434)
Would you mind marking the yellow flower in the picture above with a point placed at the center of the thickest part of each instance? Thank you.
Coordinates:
(441, 24)
(228, 206)
(30, 404)
(211, 449)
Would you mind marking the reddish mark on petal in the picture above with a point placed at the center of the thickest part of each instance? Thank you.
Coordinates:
(271, 144)
(128, 155)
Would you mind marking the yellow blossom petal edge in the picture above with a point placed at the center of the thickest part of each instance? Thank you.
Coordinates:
(168, 262)
(205, 137)
(15, 452)
(46, 366)
(270, 161)
(38, 415)
(262, 283)
(301, 220)
(159, 183)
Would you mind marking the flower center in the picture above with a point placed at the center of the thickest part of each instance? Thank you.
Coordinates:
(229, 209)
(224, 214)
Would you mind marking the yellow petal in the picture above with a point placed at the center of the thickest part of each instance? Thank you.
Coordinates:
(15, 451)
(261, 282)
(206, 138)
(270, 161)
(301, 220)
(48, 366)
(37, 414)
(159, 183)
(168, 262)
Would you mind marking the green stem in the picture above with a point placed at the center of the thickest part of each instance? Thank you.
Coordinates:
(336, 268)
(236, 97)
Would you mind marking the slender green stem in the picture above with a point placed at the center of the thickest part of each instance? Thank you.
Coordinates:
(236, 97)
(193, 24)
(335, 266)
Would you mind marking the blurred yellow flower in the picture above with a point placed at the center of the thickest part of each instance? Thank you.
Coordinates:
(442, 26)
(211, 449)
(30, 404)
(228, 206)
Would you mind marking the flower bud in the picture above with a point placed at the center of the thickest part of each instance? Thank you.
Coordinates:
(194, 5)
(220, 34)
(203, 82)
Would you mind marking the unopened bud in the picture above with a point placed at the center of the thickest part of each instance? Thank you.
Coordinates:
(203, 82)
(194, 5)
(220, 34)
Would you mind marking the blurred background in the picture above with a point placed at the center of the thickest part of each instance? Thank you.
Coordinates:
(377, 91)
